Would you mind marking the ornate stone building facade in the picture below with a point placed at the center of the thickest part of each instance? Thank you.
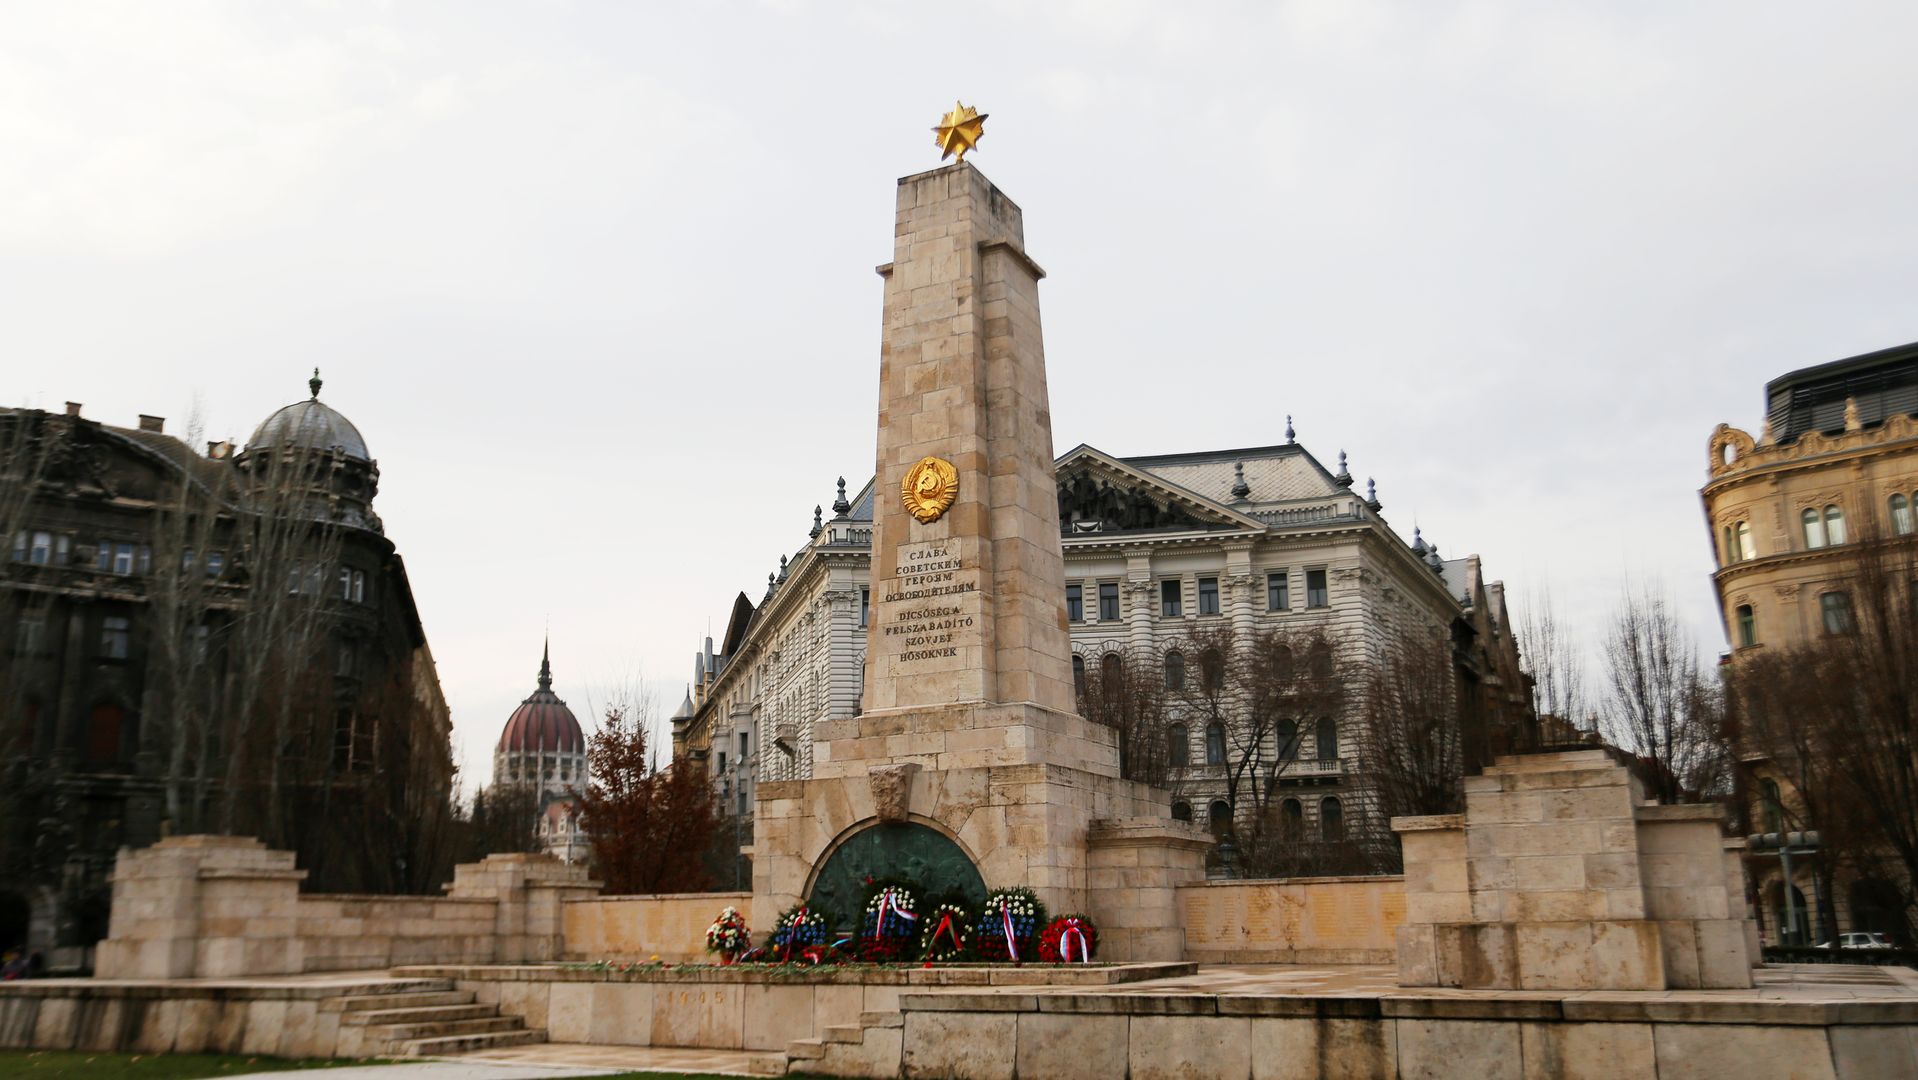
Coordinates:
(1158, 551)
(155, 594)
(1836, 462)
(542, 747)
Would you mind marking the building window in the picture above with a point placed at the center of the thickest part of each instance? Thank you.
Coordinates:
(359, 586)
(1079, 675)
(106, 728)
(215, 562)
(30, 637)
(20, 546)
(346, 583)
(1169, 597)
(1770, 806)
(122, 559)
(1111, 673)
(1331, 819)
(1178, 746)
(1834, 525)
(1175, 670)
(1215, 743)
(1182, 811)
(1288, 733)
(187, 559)
(1108, 601)
(1076, 603)
(865, 607)
(346, 663)
(1291, 820)
(1747, 627)
(293, 579)
(143, 561)
(1738, 542)
(1326, 735)
(1318, 660)
(1219, 818)
(114, 633)
(1278, 593)
(1814, 528)
(103, 556)
(1836, 608)
(1315, 593)
(42, 551)
(1212, 671)
(1901, 523)
(1208, 596)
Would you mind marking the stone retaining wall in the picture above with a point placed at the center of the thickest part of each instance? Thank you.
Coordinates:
(627, 929)
(1330, 920)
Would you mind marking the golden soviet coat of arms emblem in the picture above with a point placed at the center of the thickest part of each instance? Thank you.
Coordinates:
(929, 489)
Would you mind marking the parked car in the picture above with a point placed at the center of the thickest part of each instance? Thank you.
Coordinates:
(1857, 940)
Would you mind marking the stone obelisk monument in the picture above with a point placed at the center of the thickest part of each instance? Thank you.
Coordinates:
(969, 738)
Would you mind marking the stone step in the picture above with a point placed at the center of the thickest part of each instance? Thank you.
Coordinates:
(806, 1049)
(423, 1015)
(367, 1002)
(461, 1044)
(843, 1033)
(400, 1033)
(882, 1019)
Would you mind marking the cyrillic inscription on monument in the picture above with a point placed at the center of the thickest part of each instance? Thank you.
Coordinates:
(930, 609)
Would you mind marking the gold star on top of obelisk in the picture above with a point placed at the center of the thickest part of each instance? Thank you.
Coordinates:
(959, 131)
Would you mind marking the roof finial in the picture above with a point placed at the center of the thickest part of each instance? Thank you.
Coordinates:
(840, 507)
(546, 665)
(770, 586)
(782, 568)
(1240, 489)
(1344, 477)
(313, 384)
(1372, 495)
(1289, 435)
(817, 526)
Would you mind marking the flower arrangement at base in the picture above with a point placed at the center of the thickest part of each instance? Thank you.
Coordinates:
(944, 933)
(797, 930)
(1069, 939)
(729, 935)
(890, 926)
(1008, 923)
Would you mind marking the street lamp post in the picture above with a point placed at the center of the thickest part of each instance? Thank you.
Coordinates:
(1785, 845)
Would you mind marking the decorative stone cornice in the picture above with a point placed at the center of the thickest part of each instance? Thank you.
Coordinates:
(1733, 453)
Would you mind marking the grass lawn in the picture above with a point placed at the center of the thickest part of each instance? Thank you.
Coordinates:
(83, 1065)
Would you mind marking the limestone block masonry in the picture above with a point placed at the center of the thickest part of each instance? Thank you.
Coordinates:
(1559, 876)
(968, 662)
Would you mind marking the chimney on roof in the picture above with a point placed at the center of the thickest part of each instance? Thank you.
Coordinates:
(152, 423)
(220, 450)
(73, 408)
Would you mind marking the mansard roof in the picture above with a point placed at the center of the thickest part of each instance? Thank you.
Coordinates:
(1273, 473)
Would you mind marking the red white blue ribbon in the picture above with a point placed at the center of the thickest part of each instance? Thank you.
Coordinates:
(1005, 919)
(1071, 931)
(888, 901)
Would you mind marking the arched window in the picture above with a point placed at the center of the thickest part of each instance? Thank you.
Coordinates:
(1182, 811)
(1901, 522)
(1742, 532)
(1319, 660)
(1331, 819)
(1770, 807)
(1215, 743)
(1834, 525)
(1212, 670)
(1178, 746)
(1326, 735)
(1175, 670)
(1282, 663)
(105, 731)
(1747, 627)
(1291, 821)
(1219, 818)
(1111, 670)
(1814, 528)
(1079, 675)
(1288, 733)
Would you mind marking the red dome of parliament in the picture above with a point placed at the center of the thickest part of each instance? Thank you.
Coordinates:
(542, 723)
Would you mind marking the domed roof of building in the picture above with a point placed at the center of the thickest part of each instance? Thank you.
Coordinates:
(311, 424)
(542, 723)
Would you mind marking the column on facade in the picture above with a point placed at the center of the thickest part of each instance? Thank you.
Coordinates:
(1244, 591)
(1138, 597)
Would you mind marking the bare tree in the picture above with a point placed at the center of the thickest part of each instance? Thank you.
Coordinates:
(1555, 659)
(1409, 745)
(1660, 705)
(1126, 691)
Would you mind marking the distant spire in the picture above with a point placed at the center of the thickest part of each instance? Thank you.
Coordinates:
(817, 526)
(840, 507)
(1240, 489)
(313, 384)
(1290, 435)
(546, 666)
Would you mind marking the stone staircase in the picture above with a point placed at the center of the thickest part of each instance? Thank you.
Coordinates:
(870, 1048)
(423, 1018)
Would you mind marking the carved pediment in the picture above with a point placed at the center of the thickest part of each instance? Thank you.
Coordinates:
(1100, 497)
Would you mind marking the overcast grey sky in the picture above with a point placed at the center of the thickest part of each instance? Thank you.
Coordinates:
(595, 280)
